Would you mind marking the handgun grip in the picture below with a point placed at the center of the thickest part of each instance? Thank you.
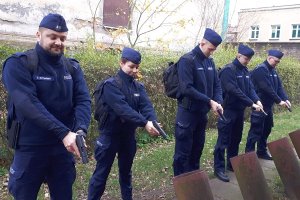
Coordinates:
(82, 149)
(221, 115)
(160, 130)
(261, 110)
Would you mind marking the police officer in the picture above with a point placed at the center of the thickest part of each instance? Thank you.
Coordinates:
(200, 91)
(128, 107)
(51, 104)
(269, 88)
(238, 93)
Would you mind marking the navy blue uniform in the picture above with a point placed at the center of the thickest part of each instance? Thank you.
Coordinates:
(128, 108)
(238, 93)
(199, 83)
(269, 89)
(49, 103)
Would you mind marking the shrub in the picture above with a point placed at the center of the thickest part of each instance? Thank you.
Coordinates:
(97, 65)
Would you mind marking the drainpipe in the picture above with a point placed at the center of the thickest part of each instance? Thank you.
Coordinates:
(225, 19)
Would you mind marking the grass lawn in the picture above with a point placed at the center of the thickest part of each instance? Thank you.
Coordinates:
(152, 169)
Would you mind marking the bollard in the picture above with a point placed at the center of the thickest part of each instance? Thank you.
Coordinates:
(193, 185)
(250, 177)
(287, 166)
(295, 137)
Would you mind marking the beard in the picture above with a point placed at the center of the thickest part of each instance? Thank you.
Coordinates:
(55, 50)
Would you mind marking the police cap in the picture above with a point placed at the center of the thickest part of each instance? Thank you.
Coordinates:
(54, 22)
(245, 50)
(276, 53)
(131, 55)
(213, 37)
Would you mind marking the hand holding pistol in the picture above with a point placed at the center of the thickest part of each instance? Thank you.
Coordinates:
(160, 130)
(81, 146)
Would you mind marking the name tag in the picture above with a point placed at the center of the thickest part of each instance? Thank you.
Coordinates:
(239, 76)
(68, 77)
(43, 78)
(247, 76)
(209, 68)
(200, 68)
(136, 94)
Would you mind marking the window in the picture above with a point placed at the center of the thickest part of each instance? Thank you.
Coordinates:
(275, 31)
(116, 13)
(254, 32)
(296, 31)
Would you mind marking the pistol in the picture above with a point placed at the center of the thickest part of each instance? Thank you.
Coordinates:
(221, 115)
(261, 110)
(160, 130)
(81, 146)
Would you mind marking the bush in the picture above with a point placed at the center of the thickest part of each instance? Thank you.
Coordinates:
(97, 65)
(5, 152)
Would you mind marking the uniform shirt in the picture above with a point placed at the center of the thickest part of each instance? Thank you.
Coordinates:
(48, 103)
(129, 106)
(268, 85)
(198, 81)
(237, 86)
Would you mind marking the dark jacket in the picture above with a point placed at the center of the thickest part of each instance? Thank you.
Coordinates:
(48, 102)
(268, 85)
(238, 90)
(199, 82)
(129, 106)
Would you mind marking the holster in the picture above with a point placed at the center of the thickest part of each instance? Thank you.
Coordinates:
(186, 103)
(13, 130)
(102, 119)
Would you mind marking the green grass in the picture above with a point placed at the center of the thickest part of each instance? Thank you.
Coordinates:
(152, 168)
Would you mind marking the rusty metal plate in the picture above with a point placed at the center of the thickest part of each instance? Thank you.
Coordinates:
(193, 185)
(295, 137)
(287, 166)
(250, 177)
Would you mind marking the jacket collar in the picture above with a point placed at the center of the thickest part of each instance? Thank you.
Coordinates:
(47, 57)
(268, 65)
(197, 51)
(237, 63)
(125, 77)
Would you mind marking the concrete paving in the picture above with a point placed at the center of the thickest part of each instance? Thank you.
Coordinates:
(231, 190)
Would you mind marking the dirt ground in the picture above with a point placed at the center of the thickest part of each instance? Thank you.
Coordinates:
(166, 193)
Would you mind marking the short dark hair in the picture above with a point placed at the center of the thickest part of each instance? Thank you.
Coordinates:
(124, 60)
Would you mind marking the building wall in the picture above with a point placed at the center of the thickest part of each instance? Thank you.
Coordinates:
(284, 16)
(290, 49)
(19, 21)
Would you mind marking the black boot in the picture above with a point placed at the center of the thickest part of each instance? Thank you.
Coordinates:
(221, 175)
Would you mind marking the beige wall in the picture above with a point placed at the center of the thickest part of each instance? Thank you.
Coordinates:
(284, 16)
(19, 21)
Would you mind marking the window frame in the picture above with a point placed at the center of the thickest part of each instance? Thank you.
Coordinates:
(275, 31)
(297, 31)
(254, 32)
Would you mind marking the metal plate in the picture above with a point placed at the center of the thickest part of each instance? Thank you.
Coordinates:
(295, 137)
(287, 166)
(193, 186)
(250, 177)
